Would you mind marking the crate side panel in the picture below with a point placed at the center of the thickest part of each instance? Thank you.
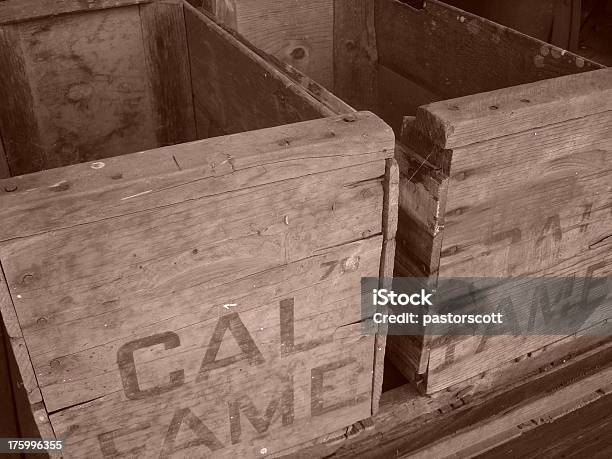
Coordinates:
(536, 203)
(83, 286)
(449, 46)
(238, 89)
(90, 97)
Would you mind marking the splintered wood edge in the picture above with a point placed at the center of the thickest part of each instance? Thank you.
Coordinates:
(12, 11)
(26, 377)
(466, 120)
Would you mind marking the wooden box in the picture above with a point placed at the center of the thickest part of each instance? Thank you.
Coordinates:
(163, 293)
(505, 170)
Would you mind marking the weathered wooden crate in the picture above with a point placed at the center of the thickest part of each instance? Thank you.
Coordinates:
(199, 297)
(513, 182)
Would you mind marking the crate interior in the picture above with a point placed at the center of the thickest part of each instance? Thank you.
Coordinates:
(90, 81)
(394, 56)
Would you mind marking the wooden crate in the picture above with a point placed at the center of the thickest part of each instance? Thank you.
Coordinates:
(511, 182)
(199, 297)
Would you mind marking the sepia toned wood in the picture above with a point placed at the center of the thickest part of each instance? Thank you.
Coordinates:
(480, 117)
(53, 199)
(239, 89)
(297, 33)
(80, 101)
(516, 201)
(4, 168)
(408, 421)
(165, 47)
(20, 134)
(8, 420)
(389, 229)
(355, 54)
(442, 48)
(399, 97)
(12, 11)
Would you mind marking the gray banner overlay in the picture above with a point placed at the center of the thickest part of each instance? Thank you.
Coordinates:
(487, 306)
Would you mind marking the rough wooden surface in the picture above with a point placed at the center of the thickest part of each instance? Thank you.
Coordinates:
(54, 199)
(443, 49)
(77, 100)
(485, 116)
(298, 33)
(145, 342)
(407, 421)
(518, 201)
(238, 88)
(167, 58)
(12, 11)
(355, 54)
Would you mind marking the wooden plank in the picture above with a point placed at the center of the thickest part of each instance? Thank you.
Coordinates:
(89, 91)
(251, 235)
(297, 33)
(500, 429)
(355, 54)
(239, 88)
(20, 134)
(12, 11)
(508, 111)
(4, 168)
(389, 228)
(442, 49)
(408, 421)
(165, 47)
(132, 183)
(548, 215)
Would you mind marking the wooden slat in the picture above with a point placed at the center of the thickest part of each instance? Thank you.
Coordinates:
(55, 199)
(165, 47)
(355, 54)
(238, 88)
(297, 33)
(20, 133)
(12, 11)
(442, 49)
(508, 111)
(389, 228)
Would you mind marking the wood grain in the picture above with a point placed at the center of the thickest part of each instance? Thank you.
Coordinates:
(20, 132)
(12, 11)
(86, 102)
(508, 111)
(355, 54)
(57, 199)
(442, 48)
(297, 33)
(239, 89)
(167, 58)
(517, 201)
